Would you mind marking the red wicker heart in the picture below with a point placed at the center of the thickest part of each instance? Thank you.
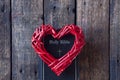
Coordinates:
(58, 65)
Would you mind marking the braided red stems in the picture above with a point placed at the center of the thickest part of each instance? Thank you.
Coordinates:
(57, 65)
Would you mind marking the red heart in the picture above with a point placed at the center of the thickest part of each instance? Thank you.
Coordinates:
(58, 65)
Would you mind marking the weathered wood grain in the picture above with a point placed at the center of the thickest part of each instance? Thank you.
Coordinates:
(26, 16)
(58, 13)
(93, 16)
(5, 40)
(114, 39)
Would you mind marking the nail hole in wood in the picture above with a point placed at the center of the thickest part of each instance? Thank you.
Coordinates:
(35, 72)
(68, 8)
(117, 61)
(73, 10)
(84, 3)
(42, 17)
(100, 4)
(3, 8)
(20, 71)
(54, 7)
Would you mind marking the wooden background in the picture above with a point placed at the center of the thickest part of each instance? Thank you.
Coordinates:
(100, 20)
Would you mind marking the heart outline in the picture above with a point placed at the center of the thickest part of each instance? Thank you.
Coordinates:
(60, 64)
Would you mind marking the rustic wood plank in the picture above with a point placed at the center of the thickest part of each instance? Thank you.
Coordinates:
(114, 39)
(26, 16)
(93, 16)
(5, 40)
(58, 13)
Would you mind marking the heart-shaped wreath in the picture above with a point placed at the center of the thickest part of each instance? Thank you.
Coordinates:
(60, 64)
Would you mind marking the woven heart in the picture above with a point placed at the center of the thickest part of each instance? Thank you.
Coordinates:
(60, 64)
